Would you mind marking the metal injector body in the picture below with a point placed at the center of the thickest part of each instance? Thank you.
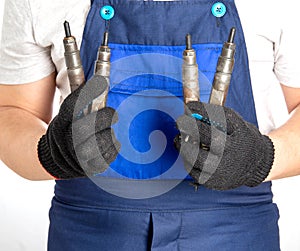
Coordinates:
(72, 59)
(190, 80)
(102, 68)
(223, 73)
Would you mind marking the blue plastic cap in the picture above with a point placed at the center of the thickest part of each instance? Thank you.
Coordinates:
(197, 116)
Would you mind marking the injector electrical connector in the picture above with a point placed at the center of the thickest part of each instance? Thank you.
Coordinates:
(102, 68)
(190, 80)
(72, 59)
(223, 73)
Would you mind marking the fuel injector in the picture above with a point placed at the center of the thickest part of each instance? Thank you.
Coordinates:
(190, 80)
(72, 59)
(223, 73)
(102, 68)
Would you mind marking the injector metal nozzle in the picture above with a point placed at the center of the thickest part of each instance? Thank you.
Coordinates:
(224, 70)
(72, 59)
(102, 68)
(190, 80)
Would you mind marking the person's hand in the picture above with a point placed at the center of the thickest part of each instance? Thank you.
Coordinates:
(78, 145)
(221, 150)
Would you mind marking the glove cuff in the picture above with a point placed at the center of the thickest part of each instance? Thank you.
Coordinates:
(264, 166)
(46, 159)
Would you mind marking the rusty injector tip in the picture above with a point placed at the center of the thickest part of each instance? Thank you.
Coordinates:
(231, 35)
(67, 29)
(105, 39)
(188, 42)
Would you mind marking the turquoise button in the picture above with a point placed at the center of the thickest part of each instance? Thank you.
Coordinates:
(107, 12)
(218, 9)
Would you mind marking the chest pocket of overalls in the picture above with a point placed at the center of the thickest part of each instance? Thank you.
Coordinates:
(147, 40)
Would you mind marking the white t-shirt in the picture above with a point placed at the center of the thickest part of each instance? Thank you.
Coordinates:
(32, 48)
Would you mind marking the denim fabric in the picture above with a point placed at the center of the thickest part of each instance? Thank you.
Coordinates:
(179, 220)
(147, 39)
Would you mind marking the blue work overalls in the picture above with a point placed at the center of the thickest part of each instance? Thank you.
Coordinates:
(147, 40)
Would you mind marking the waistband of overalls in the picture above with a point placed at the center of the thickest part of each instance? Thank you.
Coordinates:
(83, 192)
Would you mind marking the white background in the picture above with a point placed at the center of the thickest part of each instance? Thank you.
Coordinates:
(24, 209)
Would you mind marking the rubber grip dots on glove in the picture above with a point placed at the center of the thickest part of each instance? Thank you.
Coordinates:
(205, 120)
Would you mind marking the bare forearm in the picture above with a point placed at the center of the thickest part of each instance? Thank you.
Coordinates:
(19, 135)
(287, 148)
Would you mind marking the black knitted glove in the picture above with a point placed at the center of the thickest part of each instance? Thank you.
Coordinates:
(222, 151)
(76, 145)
